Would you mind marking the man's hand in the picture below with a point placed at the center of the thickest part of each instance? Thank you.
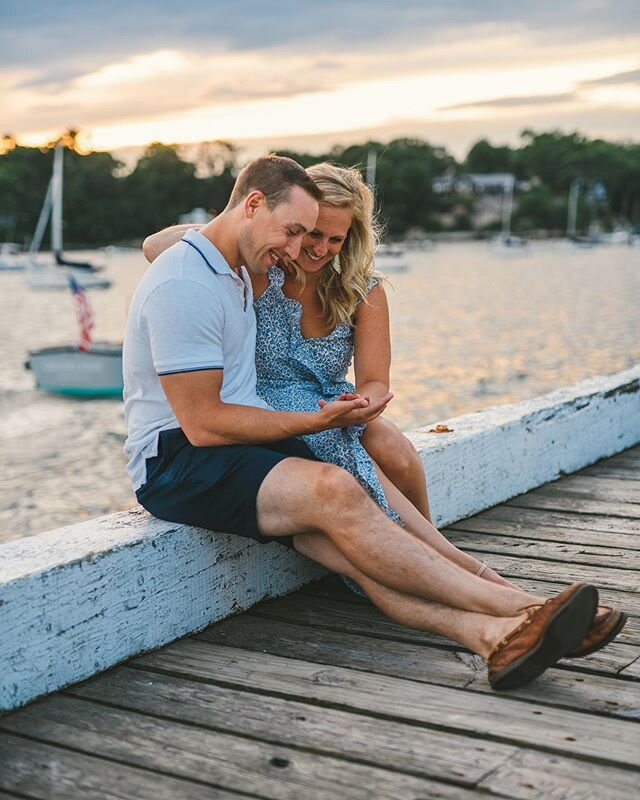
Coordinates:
(352, 410)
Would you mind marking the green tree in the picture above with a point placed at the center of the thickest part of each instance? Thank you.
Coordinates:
(161, 187)
(484, 157)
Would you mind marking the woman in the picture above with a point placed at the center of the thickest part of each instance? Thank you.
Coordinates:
(312, 321)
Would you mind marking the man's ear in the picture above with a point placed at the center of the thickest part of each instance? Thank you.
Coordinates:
(254, 201)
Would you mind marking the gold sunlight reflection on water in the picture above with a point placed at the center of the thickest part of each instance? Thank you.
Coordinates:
(475, 325)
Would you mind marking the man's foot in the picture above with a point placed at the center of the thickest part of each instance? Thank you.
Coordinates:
(607, 624)
(547, 634)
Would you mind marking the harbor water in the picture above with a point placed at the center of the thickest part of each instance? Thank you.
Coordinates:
(473, 325)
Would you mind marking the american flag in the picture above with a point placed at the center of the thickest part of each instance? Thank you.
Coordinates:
(83, 311)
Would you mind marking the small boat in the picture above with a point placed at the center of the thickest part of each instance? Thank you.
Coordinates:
(391, 259)
(12, 263)
(10, 258)
(41, 276)
(68, 370)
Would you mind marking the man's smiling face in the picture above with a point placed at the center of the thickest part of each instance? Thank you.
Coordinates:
(276, 234)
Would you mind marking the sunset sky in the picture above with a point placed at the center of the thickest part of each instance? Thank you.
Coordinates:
(308, 75)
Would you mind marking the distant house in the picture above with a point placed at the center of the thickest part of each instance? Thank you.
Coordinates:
(197, 216)
(476, 183)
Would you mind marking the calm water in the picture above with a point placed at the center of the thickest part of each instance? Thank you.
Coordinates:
(472, 326)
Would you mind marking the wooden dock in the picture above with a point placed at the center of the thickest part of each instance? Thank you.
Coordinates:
(318, 696)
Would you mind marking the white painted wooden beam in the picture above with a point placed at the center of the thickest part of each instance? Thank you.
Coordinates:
(77, 600)
(503, 451)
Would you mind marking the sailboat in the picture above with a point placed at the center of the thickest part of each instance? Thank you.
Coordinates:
(572, 216)
(388, 258)
(55, 274)
(507, 238)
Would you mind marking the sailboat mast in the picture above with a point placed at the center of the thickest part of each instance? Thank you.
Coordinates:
(56, 219)
(372, 160)
(507, 206)
(572, 207)
(43, 219)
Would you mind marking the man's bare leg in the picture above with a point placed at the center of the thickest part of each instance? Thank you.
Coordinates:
(299, 496)
(478, 632)
(415, 523)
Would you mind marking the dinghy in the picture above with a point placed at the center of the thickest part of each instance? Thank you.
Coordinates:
(85, 369)
(68, 370)
(391, 259)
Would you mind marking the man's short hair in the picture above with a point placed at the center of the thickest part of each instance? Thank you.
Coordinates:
(273, 176)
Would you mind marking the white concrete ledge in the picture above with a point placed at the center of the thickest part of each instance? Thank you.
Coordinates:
(78, 600)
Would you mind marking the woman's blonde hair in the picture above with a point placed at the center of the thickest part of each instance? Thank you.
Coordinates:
(341, 291)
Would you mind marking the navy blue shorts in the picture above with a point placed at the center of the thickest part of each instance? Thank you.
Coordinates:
(213, 487)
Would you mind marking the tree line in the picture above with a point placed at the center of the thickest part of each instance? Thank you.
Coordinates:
(103, 204)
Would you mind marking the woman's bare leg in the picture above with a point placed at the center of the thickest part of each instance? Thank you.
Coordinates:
(399, 460)
(415, 523)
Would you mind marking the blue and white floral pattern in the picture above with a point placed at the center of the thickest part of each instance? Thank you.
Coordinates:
(294, 373)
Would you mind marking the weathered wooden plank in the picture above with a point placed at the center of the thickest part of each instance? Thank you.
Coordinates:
(530, 775)
(529, 518)
(450, 665)
(545, 533)
(437, 754)
(582, 486)
(217, 759)
(563, 502)
(344, 648)
(44, 772)
(620, 471)
(630, 454)
(600, 576)
(633, 670)
(565, 552)
(472, 713)
(627, 601)
(364, 618)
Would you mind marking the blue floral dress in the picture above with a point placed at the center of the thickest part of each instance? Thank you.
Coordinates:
(294, 373)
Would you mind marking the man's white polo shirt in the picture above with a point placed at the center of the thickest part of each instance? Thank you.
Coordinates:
(190, 312)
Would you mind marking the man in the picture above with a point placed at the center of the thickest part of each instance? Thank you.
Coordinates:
(205, 450)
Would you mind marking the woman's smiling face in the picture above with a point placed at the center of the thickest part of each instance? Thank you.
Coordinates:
(325, 241)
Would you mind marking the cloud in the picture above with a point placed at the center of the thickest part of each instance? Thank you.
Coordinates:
(148, 61)
(74, 35)
(632, 76)
(514, 102)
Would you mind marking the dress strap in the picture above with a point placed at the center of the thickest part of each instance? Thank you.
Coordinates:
(371, 283)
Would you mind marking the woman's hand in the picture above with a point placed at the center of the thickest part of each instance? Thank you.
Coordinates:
(357, 411)
(343, 396)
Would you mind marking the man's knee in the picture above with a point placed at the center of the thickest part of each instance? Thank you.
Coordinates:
(336, 486)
